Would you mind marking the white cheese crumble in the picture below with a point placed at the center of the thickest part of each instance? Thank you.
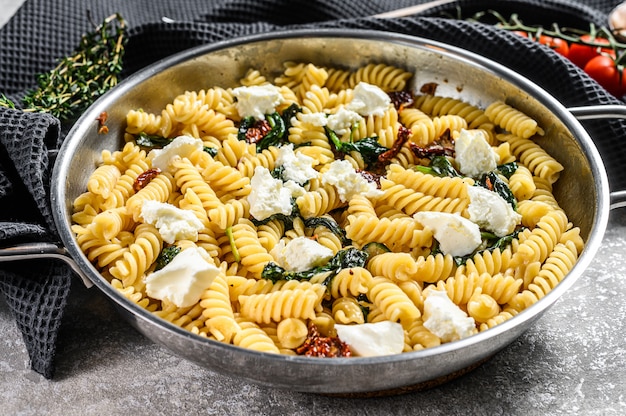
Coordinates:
(300, 254)
(181, 146)
(298, 167)
(257, 100)
(445, 319)
(183, 280)
(456, 235)
(173, 223)
(491, 212)
(342, 121)
(348, 181)
(372, 339)
(369, 100)
(314, 119)
(473, 154)
(267, 195)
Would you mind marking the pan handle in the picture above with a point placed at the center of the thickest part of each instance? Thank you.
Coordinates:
(594, 112)
(29, 251)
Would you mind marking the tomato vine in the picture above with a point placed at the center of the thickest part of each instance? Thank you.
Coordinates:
(597, 51)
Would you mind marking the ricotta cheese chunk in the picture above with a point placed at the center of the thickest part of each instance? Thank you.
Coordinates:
(298, 167)
(300, 254)
(257, 100)
(315, 119)
(183, 280)
(267, 195)
(473, 154)
(445, 319)
(348, 181)
(180, 147)
(491, 212)
(342, 121)
(369, 100)
(456, 235)
(372, 339)
(172, 222)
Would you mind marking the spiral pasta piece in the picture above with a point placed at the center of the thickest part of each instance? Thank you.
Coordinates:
(393, 266)
(401, 232)
(275, 306)
(393, 302)
(159, 189)
(537, 160)
(141, 254)
(512, 120)
(253, 256)
(352, 281)
(218, 310)
(251, 336)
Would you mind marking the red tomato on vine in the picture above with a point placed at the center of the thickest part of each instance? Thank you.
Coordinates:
(607, 73)
(580, 54)
(560, 46)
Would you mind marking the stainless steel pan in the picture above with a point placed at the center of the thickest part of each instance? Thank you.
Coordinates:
(459, 74)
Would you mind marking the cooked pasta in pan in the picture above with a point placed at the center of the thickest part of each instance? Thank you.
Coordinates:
(327, 212)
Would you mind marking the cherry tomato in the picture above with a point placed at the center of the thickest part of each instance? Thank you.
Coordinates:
(521, 33)
(581, 54)
(558, 45)
(602, 68)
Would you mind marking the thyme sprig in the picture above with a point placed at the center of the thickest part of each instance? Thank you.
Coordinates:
(78, 80)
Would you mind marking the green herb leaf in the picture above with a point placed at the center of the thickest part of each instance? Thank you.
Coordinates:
(368, 147)
(439, 166)
(287, 220)
(233, 246)
(507, 169)
(331, 225)
(493, 182)
(350, 257)
(166, 256)
(152, 141)
(78, 80)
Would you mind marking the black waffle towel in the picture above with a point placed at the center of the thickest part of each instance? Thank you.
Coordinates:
(43, 31)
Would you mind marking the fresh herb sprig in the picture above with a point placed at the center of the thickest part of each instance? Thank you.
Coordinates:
(78, 80)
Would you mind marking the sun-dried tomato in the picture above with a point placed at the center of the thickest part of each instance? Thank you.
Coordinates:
(403, 137)
(444, 146)
(144, 178)
(429, 88)
(401, 99)
(370, 176)
(316, 345)
(102, 119)
(258, 131)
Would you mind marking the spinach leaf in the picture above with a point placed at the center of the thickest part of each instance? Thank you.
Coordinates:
(507, 169)
(331, 225)
(439, 166)
(368, 147)
(210, 150)
(166, 256)
(245, 124)
(490, 243)
(350, 257)
(493, 182)
(273, 131)
(287, 220)
(152, 141)
(275, 135)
